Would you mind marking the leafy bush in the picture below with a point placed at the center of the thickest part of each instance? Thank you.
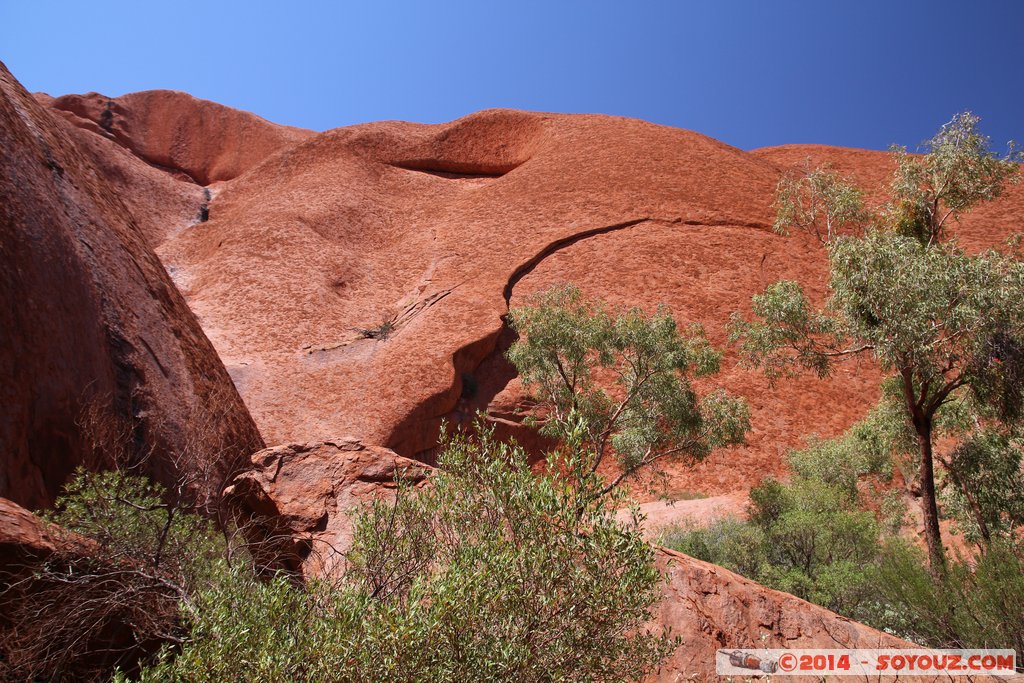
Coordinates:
(492, 573)
(89, 610)
(244, 629)
(727, 542)
(804, 538)
(987, 496)
(623, 381)
(811, 537)
(975, 604)
(808, 537)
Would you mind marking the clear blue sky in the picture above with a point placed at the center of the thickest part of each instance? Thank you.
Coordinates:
(861, 73)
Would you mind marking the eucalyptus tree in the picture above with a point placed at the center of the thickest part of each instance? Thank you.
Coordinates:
(946, 325)
(623, 381)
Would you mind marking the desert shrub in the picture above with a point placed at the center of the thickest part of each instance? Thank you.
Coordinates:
(807, 537)
(115, 597)
(975, 604)
(728, 542)
(817, 543)
(244, 629)
(491, 573)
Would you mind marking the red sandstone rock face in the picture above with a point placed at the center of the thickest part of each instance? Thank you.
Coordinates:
(437, 229)
(158, 202)
(24, 538)
(100, 355)
(711, 608)
(431, 227)
(295, 504)
(203, 140)
(315, 240)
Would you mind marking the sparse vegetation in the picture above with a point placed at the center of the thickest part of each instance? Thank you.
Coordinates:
(946, 325)
(380, 332)
(490, 573)
(815, 538)
(622, 380)
(809, 537)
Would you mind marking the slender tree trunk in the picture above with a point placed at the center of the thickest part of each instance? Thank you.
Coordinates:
(929, 507)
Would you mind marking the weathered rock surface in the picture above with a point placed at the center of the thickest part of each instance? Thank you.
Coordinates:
(711, 608)
(24, 538)
(436, 230)
(205, 141)
(295, 505)
(100, 356)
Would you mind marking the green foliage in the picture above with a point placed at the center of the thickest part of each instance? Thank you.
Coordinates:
(807, 537)
(817, 542)
(491, 573)
(820, 203)
(937, 312)
(934, 312)
(624, 378)
(727, 542)
(865, 449)
(939, 320)
(133, 521)
(986, 498)
(975, 604)
(957, 171)
(117, 597)
(788, 333)
(250, 630)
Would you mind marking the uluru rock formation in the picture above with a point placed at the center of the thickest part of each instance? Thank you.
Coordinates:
(204, 141)
(167, 258)
(100, 355)
(429, 233)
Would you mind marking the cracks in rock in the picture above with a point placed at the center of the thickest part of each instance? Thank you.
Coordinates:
(389, 326)
(498, 369)
(530, 265)
(413, 310)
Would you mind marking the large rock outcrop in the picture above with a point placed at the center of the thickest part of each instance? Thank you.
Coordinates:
(100, 356)
(295, 504)
(355, 282)
(205, 141)
(430, 233)
(710, 608)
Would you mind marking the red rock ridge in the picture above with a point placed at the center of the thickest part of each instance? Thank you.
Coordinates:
(206, 141)
(100, 355)
(295, 505)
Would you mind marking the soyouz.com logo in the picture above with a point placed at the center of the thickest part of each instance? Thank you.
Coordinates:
(888, 662)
